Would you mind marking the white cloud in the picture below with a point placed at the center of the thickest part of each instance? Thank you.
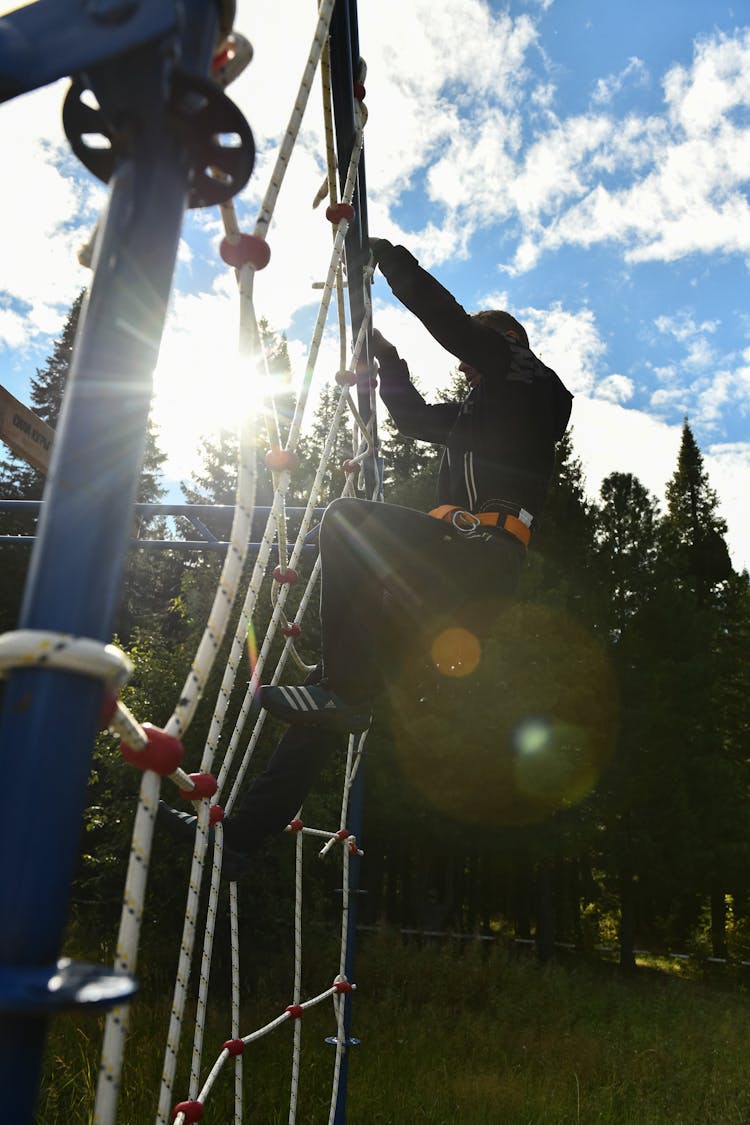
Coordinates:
(728, 467)
(675, 400)
(607, 88)
(12, 329)
(615, 388)
(682, 325)
(567, 342)
(688, 169)
(717, 83)
(610, 438)
(42, 209)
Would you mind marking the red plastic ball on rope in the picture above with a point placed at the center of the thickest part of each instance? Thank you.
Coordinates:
(291, 630)
(205, 785)
(296, 825)
(296, 1011)
(286, 577)
(248, 250)
(346, 378)
(193, 1111)
(338, 211)
(343, 834)
(233, 1047)
(359, 91)
(342, 986)
(278, 460)
(163, 752)
(215, 814)
(350, 467)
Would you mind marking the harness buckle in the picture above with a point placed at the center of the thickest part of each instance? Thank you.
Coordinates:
(464, 521)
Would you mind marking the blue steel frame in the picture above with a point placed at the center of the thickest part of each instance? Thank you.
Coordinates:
(50, 717)
(345, 63)
(192, 513)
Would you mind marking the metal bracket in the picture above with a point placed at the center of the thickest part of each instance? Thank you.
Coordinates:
(218, 138)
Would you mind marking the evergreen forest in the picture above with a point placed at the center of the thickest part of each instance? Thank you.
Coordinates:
(587, 782)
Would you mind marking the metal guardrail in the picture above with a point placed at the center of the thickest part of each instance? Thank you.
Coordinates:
(194, 513)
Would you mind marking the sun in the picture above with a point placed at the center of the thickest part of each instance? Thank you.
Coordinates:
(201, 386)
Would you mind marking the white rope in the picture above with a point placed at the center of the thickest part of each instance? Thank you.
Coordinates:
(251, 348)
(33, 648)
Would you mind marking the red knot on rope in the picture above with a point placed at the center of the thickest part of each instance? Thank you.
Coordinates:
(281, 460)
(191, 1111)
(233, 1047)
(163, 753)
(245, 250)
(204, 785)
(340, 211)
(285, 576)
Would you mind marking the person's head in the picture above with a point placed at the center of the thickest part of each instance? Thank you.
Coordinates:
(503, 323)
(500, 321)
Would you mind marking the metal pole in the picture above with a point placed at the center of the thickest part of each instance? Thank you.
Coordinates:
(344, 52)
(345, 60)
(50, 717)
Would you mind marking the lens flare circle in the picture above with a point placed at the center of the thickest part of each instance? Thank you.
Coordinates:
(455, 652)
(509, 731)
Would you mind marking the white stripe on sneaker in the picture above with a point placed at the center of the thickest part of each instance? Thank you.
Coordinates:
(290, 699)
(307, 699)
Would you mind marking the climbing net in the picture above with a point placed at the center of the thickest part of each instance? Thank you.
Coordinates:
(158, 752)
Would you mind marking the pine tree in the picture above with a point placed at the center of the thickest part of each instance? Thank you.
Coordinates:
(625, 525)
(21, 481)
(694, 533)
(561, 552)
(694, 622)
(626, 544)
(147, 583)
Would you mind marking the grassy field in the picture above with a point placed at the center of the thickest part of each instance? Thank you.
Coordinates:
(460, 1033)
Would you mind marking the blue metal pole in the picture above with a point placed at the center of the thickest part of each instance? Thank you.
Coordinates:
(50, 717)
(344, 53)
(356, 803)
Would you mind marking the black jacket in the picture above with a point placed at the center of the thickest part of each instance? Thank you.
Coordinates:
(500, 440)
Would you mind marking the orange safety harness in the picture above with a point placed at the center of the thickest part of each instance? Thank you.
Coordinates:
(519, 525)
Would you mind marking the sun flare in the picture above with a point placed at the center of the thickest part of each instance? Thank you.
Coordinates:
(201, 386)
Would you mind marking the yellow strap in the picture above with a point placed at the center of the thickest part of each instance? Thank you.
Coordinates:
(445, 511)
(518, 528)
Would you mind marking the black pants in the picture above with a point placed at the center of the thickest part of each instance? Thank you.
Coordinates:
(392, 580)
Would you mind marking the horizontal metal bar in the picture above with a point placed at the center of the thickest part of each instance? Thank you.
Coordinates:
(186, 511)
(161, 509)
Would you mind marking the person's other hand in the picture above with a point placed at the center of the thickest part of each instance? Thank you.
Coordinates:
(379, 343)
(379, 247)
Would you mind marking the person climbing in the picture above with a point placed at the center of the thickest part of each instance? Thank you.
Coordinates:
(391, 574)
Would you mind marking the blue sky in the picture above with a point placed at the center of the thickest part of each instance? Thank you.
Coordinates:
(585, 165)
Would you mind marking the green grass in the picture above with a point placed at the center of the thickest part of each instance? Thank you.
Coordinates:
(458, 1034)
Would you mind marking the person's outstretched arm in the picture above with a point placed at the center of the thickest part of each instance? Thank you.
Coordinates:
(446, 321)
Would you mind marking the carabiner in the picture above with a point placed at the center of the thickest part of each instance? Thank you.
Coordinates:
(465, 522)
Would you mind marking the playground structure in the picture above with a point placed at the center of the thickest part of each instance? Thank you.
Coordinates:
(163, 125)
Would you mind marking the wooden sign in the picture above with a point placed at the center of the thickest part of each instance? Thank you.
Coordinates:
(28, 436)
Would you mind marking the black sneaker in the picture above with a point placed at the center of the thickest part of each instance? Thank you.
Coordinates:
(315, 705)
(181, 826)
